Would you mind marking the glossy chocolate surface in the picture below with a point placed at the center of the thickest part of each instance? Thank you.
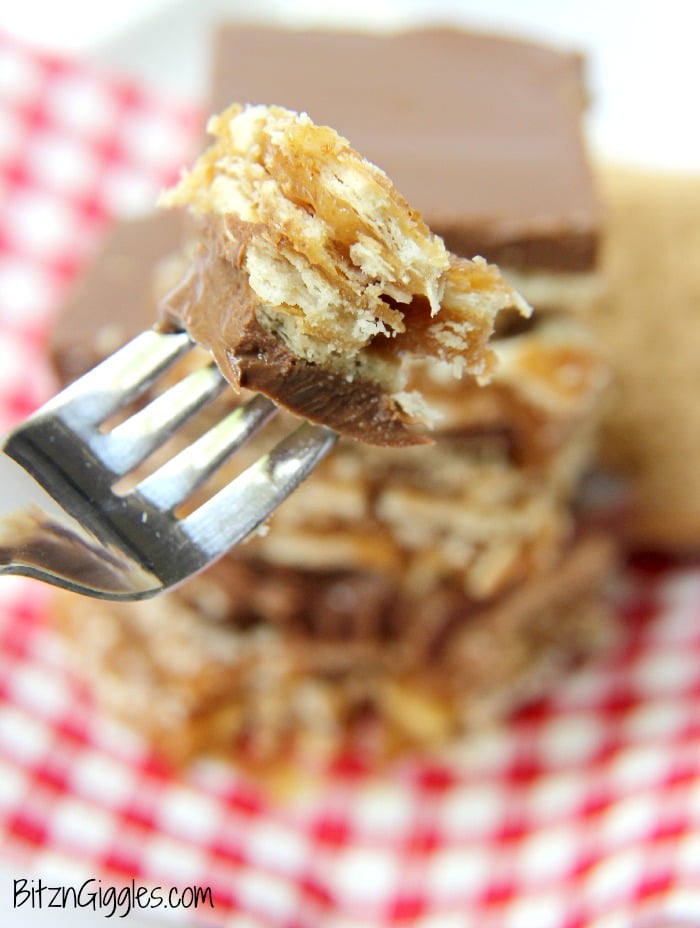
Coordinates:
(481, 133)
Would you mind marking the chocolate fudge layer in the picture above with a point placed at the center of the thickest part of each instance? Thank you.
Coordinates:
(481, 133)
(412, 592)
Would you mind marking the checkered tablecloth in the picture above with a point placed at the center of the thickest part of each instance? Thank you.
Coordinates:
(581, 810)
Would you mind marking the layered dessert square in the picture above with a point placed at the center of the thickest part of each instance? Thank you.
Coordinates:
(426, 579)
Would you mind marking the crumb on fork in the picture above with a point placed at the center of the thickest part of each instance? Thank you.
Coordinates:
(313, 281)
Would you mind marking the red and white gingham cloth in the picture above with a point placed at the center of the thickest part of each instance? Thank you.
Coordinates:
(583, 810)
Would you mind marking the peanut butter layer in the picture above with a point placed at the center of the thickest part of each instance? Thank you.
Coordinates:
(480, 133)
(313, 280)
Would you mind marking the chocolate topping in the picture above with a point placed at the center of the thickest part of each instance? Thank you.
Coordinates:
(481, 133)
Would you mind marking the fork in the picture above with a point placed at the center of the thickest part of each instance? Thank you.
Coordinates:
(67, 525)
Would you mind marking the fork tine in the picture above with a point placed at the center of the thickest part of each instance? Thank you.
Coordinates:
(133, 440)
(133, 545)
(174, 481)
(242, 506)
(128, 372)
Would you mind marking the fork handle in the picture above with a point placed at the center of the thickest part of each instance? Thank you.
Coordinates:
(38, 539)
(18, 490)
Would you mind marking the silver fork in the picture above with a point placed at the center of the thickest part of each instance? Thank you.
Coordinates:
(68, 526)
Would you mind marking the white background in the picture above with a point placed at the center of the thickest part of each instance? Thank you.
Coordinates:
(644, 63)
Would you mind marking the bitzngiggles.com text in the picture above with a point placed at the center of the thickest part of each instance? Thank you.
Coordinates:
(93, 894)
